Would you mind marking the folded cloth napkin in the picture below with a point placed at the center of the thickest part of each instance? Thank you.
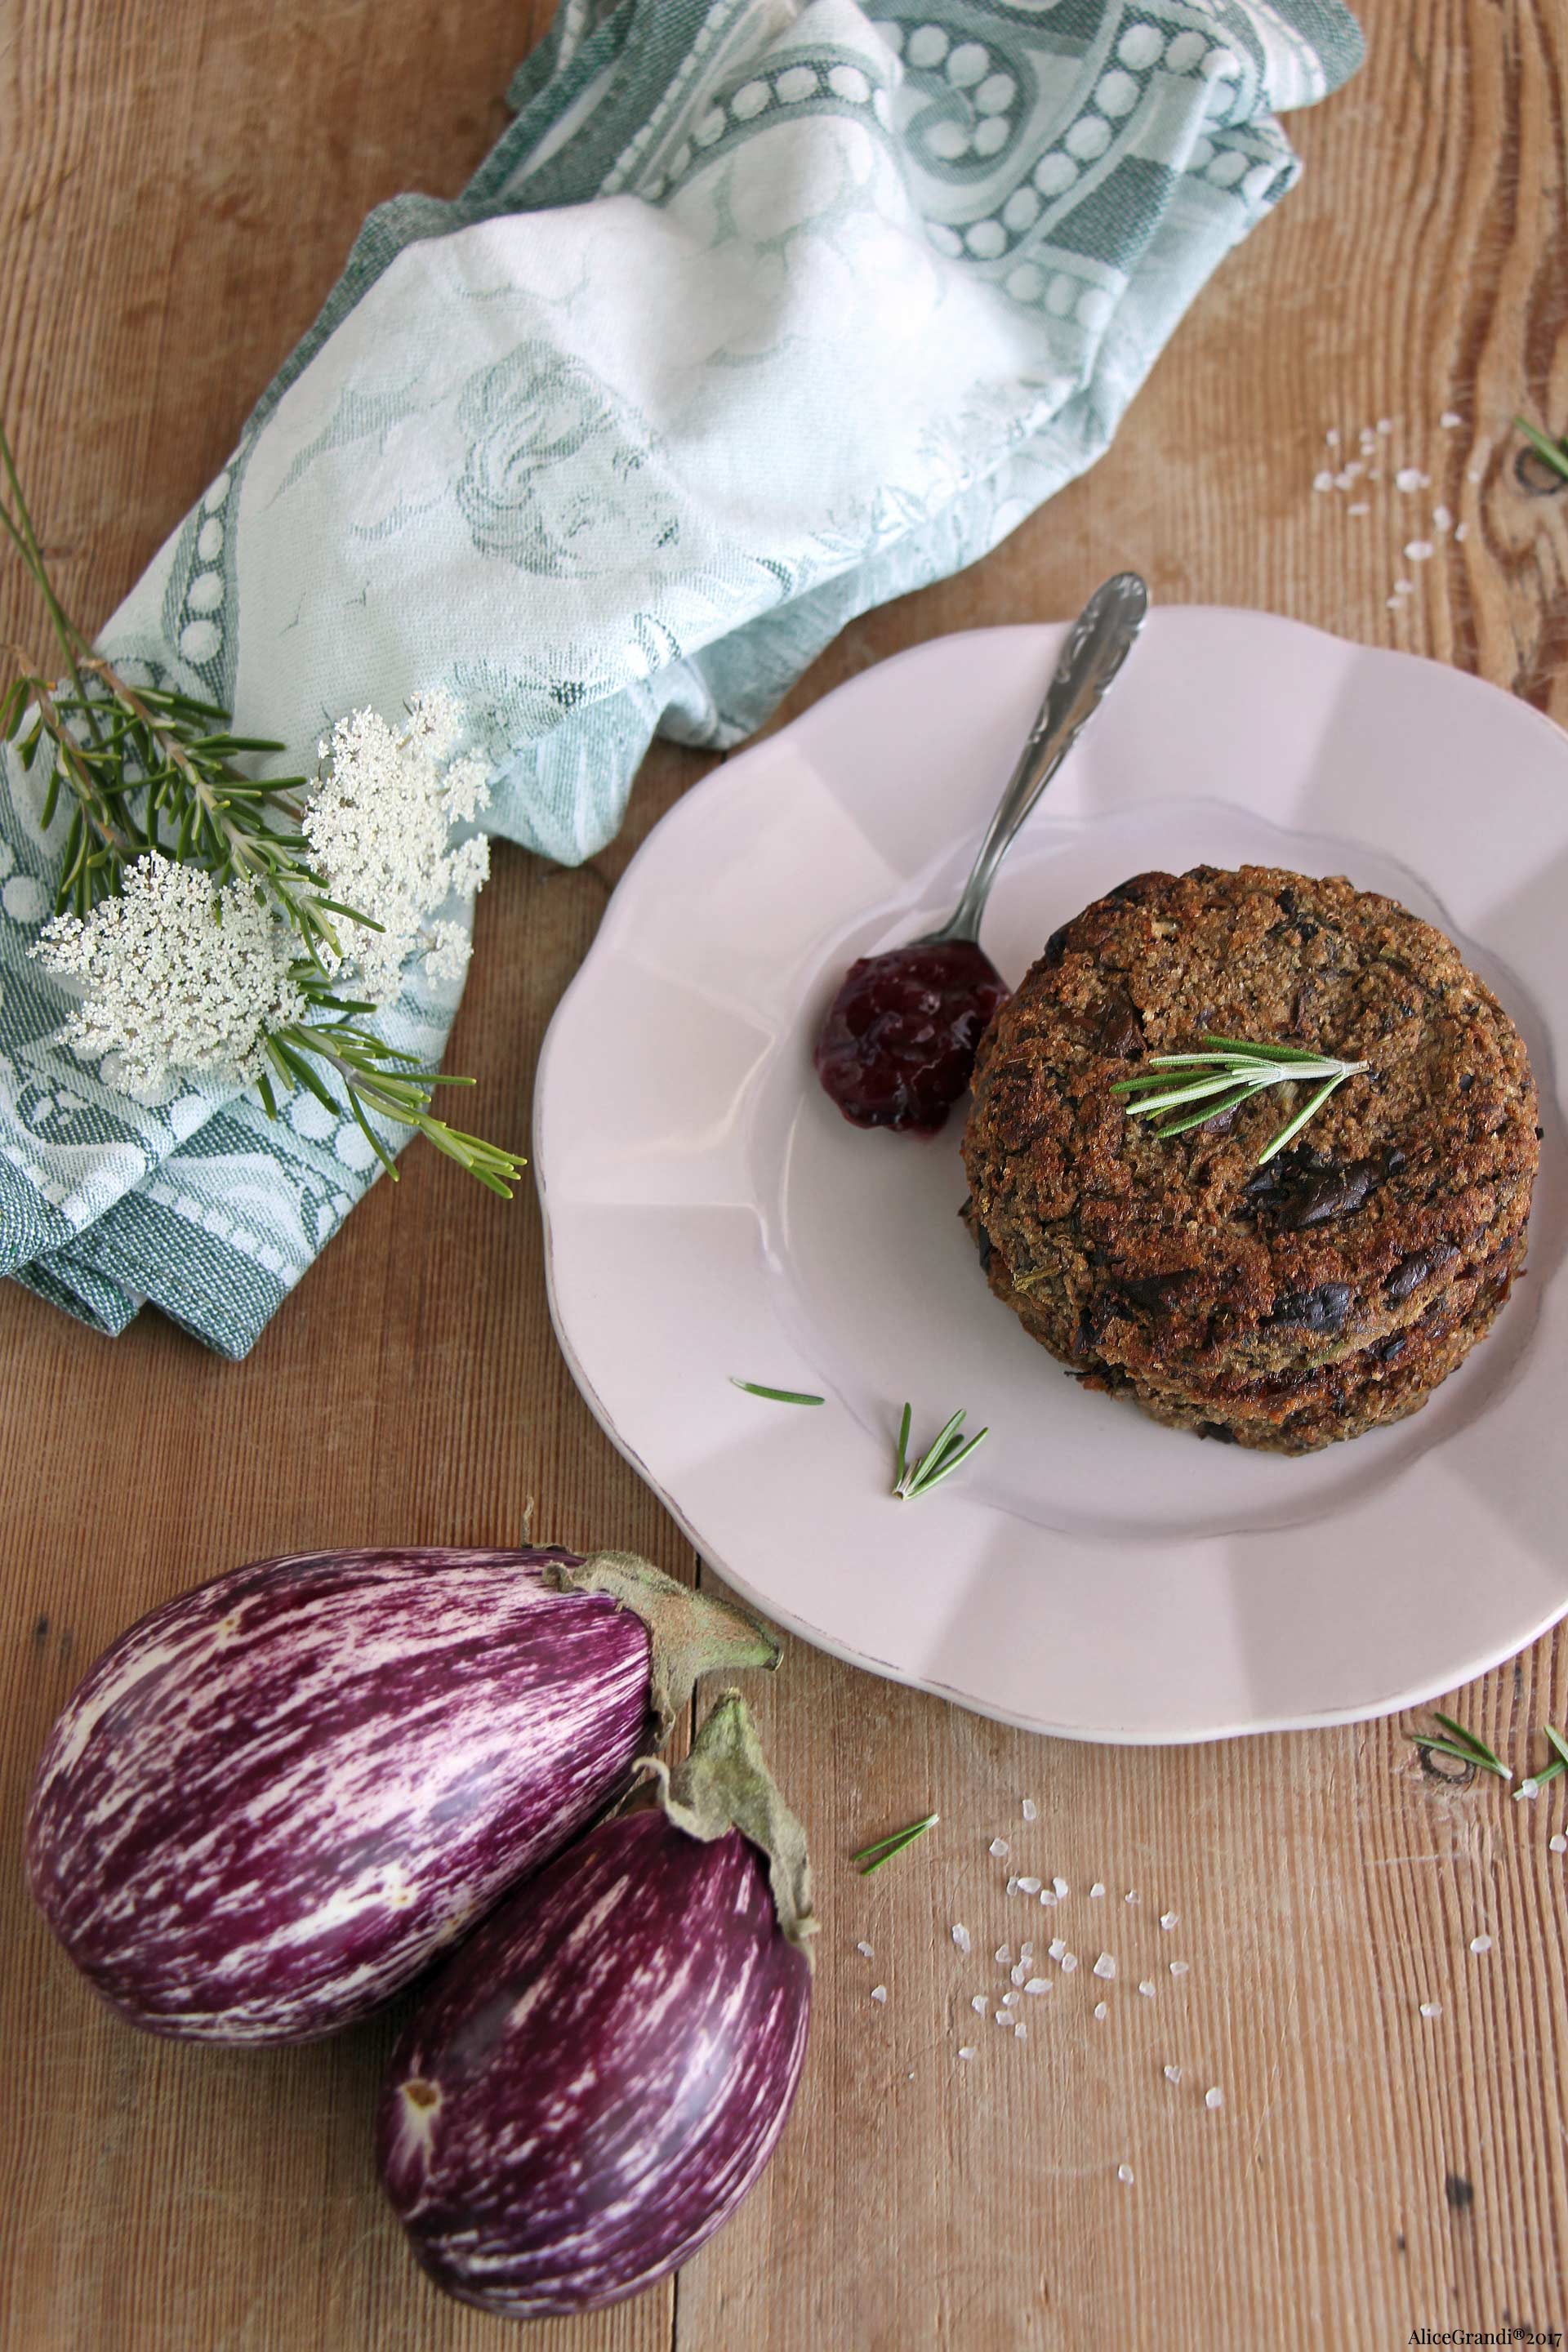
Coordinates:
(760, 313)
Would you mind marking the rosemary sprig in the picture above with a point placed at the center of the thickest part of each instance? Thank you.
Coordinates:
(1559, 1764)
(1228, 1073)
(1464, 1747)
(940, 1460)
(777, 1396)
(150, 772)
(872, 1857)
(1552, 452)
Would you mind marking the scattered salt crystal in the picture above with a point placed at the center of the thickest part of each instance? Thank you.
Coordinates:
(1130, 1895)
(1105, 1966)
(961, 1936)
(1029, 1886)
(1125, 2174)
(1039, 1985)
(1527, 1788)
(1417, 551)
(1394, 603)
(1147, 1988)
(1461, 530)
(1002, 2017)
(1020, 2032)
(1026, 1951)
(1168, 1918)
(1100, 2011)
(1324, 482)
(1481, 1943)
(1012, 1886)
(1009, 2000)
(1431, 2008)
(1031, 1811)
(864, 1951)
(1449, 419)
(1020, 1972)
(1215, 2097)
(1048, 1897)
(1070, 1962)
(1180, 1967)
(998, 1847)
(1475, 473)
(1385, 424)
(1060, 1888)
(1354, 469)
(1360, 507)
(1004, 1955)
(1442, 519)
(1056, 1947)
(1559, 1843)
(1408, 478)
(1404, 587)
(979, 2002)
(1346, 476)
(1096, 1891)
(1173, 2073)
(966, 2054)
(1331, 437)
(878, 1992)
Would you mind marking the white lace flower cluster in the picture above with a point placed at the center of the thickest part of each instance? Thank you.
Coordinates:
(379, 828)
(174, 978)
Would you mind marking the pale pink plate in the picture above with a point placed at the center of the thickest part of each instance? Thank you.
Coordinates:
(708, 1212)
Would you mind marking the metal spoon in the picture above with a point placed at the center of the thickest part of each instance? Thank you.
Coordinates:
(898, 1046)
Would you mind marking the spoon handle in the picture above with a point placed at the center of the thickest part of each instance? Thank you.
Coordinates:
(1097, 644)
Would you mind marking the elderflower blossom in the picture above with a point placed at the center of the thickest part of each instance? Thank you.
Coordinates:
(175, 975)
(379, 829)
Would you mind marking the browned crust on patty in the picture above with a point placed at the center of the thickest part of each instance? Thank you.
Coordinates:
(1178, 1268)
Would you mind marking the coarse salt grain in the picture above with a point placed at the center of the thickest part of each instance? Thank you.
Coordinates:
(966, 2054)
(1475, 473)
(1031, 1812)
(1100, 2011)
(1048, 1897)
(1060, 1888)
(1180, 1967)
(1431, 2008)
(1408, 478)
(1461, 530)
(1324, 482)
(1331, 437)
(1442, 518)
(1012, 1886)
(1385, 424)
(1009, 2000)
(1020, 2030)
(1395, 604)
(864, 1951)
(961, 1936)
(1417, 551)
(1096, 1891)
(1343, 479)
(1002, 2017)
(1070, 1962)
(878, 1992)
(998, 1847)
(1559, 1844)
(1130, 1895)
(1215, 2097)
(1527, 1788)
(1449, 419)
(1004, 1955)
(1147, 1988)
(1056, 1948)
(1039, 1985)
(1105, 1966)
(1026, 1951)
(1360, 507)
(1173, 2073)
(1125, 2174)
(1404, 587)
(1168, 1918)
(1020, 1972)
(979, 2002)
(1481, 1943)
(1029, 1886)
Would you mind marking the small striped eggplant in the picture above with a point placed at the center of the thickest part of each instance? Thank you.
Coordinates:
(596, 2080)
(276, 1799)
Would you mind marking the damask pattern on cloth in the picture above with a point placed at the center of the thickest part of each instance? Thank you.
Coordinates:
(758, 314)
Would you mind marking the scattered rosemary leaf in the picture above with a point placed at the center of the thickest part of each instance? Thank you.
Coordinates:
(1552, 452)
(1466, 1747)
(948, 1449)
(778, 1396)
(872, 1857)
(1551, 1772)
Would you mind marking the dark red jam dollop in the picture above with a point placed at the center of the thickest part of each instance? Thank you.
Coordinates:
(899, 1042)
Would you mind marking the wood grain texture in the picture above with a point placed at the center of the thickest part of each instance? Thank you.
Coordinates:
(178, 187)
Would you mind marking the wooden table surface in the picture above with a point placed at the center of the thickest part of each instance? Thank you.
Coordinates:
(178, 185)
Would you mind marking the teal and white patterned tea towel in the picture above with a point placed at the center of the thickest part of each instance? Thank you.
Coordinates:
(761, 313)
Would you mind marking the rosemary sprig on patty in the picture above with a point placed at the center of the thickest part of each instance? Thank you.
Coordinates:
(1227, 1074)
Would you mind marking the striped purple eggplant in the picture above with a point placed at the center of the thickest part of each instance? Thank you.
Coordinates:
(273, 1801)
(597, 2078)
